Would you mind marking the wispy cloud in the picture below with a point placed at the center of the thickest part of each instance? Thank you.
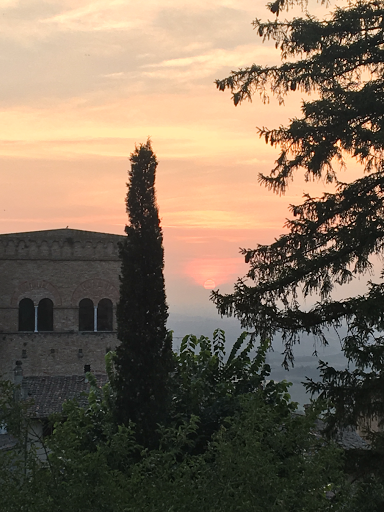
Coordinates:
(182, 62)
(255, 161)
(99, 15)
(209, 62)
(84, 80)
(208, 219)
(115, 76)
(5, 4)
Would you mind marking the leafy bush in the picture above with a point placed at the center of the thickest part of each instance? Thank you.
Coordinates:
(233, 442)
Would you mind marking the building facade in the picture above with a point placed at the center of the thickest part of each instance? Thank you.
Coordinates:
(59, 290)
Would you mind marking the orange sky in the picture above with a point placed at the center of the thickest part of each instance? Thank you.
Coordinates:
(83, 81)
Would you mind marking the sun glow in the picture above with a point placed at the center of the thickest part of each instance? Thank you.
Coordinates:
(211, 272)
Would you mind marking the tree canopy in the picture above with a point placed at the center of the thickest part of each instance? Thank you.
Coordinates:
(262, 455)
(144, 356)
(331, 239)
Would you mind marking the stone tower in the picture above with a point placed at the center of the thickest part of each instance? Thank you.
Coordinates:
(58, 295)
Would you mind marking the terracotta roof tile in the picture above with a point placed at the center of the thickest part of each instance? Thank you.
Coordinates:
(49, 393)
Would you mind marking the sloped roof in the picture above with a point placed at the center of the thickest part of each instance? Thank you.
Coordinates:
(346, 437)
(349, 439)
(48, 394)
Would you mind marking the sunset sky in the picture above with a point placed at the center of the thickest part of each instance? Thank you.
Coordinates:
(83, 81)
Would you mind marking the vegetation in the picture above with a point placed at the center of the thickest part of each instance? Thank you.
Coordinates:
(198, 430)
(145, 354)
(331, 239)
(261, 456)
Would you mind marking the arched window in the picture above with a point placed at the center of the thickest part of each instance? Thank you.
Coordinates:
(105, 315)
(26, 315)
(86, 315)
(45, 315)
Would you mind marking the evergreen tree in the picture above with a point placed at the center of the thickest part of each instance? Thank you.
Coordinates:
(331, 239)
(144, 356)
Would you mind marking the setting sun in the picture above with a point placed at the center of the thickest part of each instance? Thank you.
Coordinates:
(212, 272)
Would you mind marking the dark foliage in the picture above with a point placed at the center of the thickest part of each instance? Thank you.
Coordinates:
(144, 357)
(329, 242)
(263, 456)
(340, 58)
(209, 384)
(332, 238)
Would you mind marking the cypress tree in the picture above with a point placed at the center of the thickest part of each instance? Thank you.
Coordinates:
(144, 356)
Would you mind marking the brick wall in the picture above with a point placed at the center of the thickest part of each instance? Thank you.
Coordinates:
(64, 265)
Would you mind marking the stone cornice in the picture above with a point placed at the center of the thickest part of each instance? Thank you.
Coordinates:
(60, 244)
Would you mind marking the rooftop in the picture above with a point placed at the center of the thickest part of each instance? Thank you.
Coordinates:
(48, 394)
(61, 233)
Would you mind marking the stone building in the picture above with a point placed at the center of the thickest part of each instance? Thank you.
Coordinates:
(59, 290)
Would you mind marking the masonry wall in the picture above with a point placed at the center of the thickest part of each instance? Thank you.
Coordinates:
(55, 353)
(65, 266)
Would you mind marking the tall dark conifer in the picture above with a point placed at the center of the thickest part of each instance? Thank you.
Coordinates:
(145, 353)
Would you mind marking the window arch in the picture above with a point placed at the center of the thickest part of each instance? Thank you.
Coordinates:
(86, 315)
(105, 315)
(45, 315)
(26, 315)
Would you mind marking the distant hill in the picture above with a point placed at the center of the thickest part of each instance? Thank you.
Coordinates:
(305, 363)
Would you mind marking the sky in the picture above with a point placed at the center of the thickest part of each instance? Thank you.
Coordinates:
(84, 81)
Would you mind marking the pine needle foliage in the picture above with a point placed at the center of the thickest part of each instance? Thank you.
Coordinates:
(331, 239)
(341, 59)
(144, 357)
